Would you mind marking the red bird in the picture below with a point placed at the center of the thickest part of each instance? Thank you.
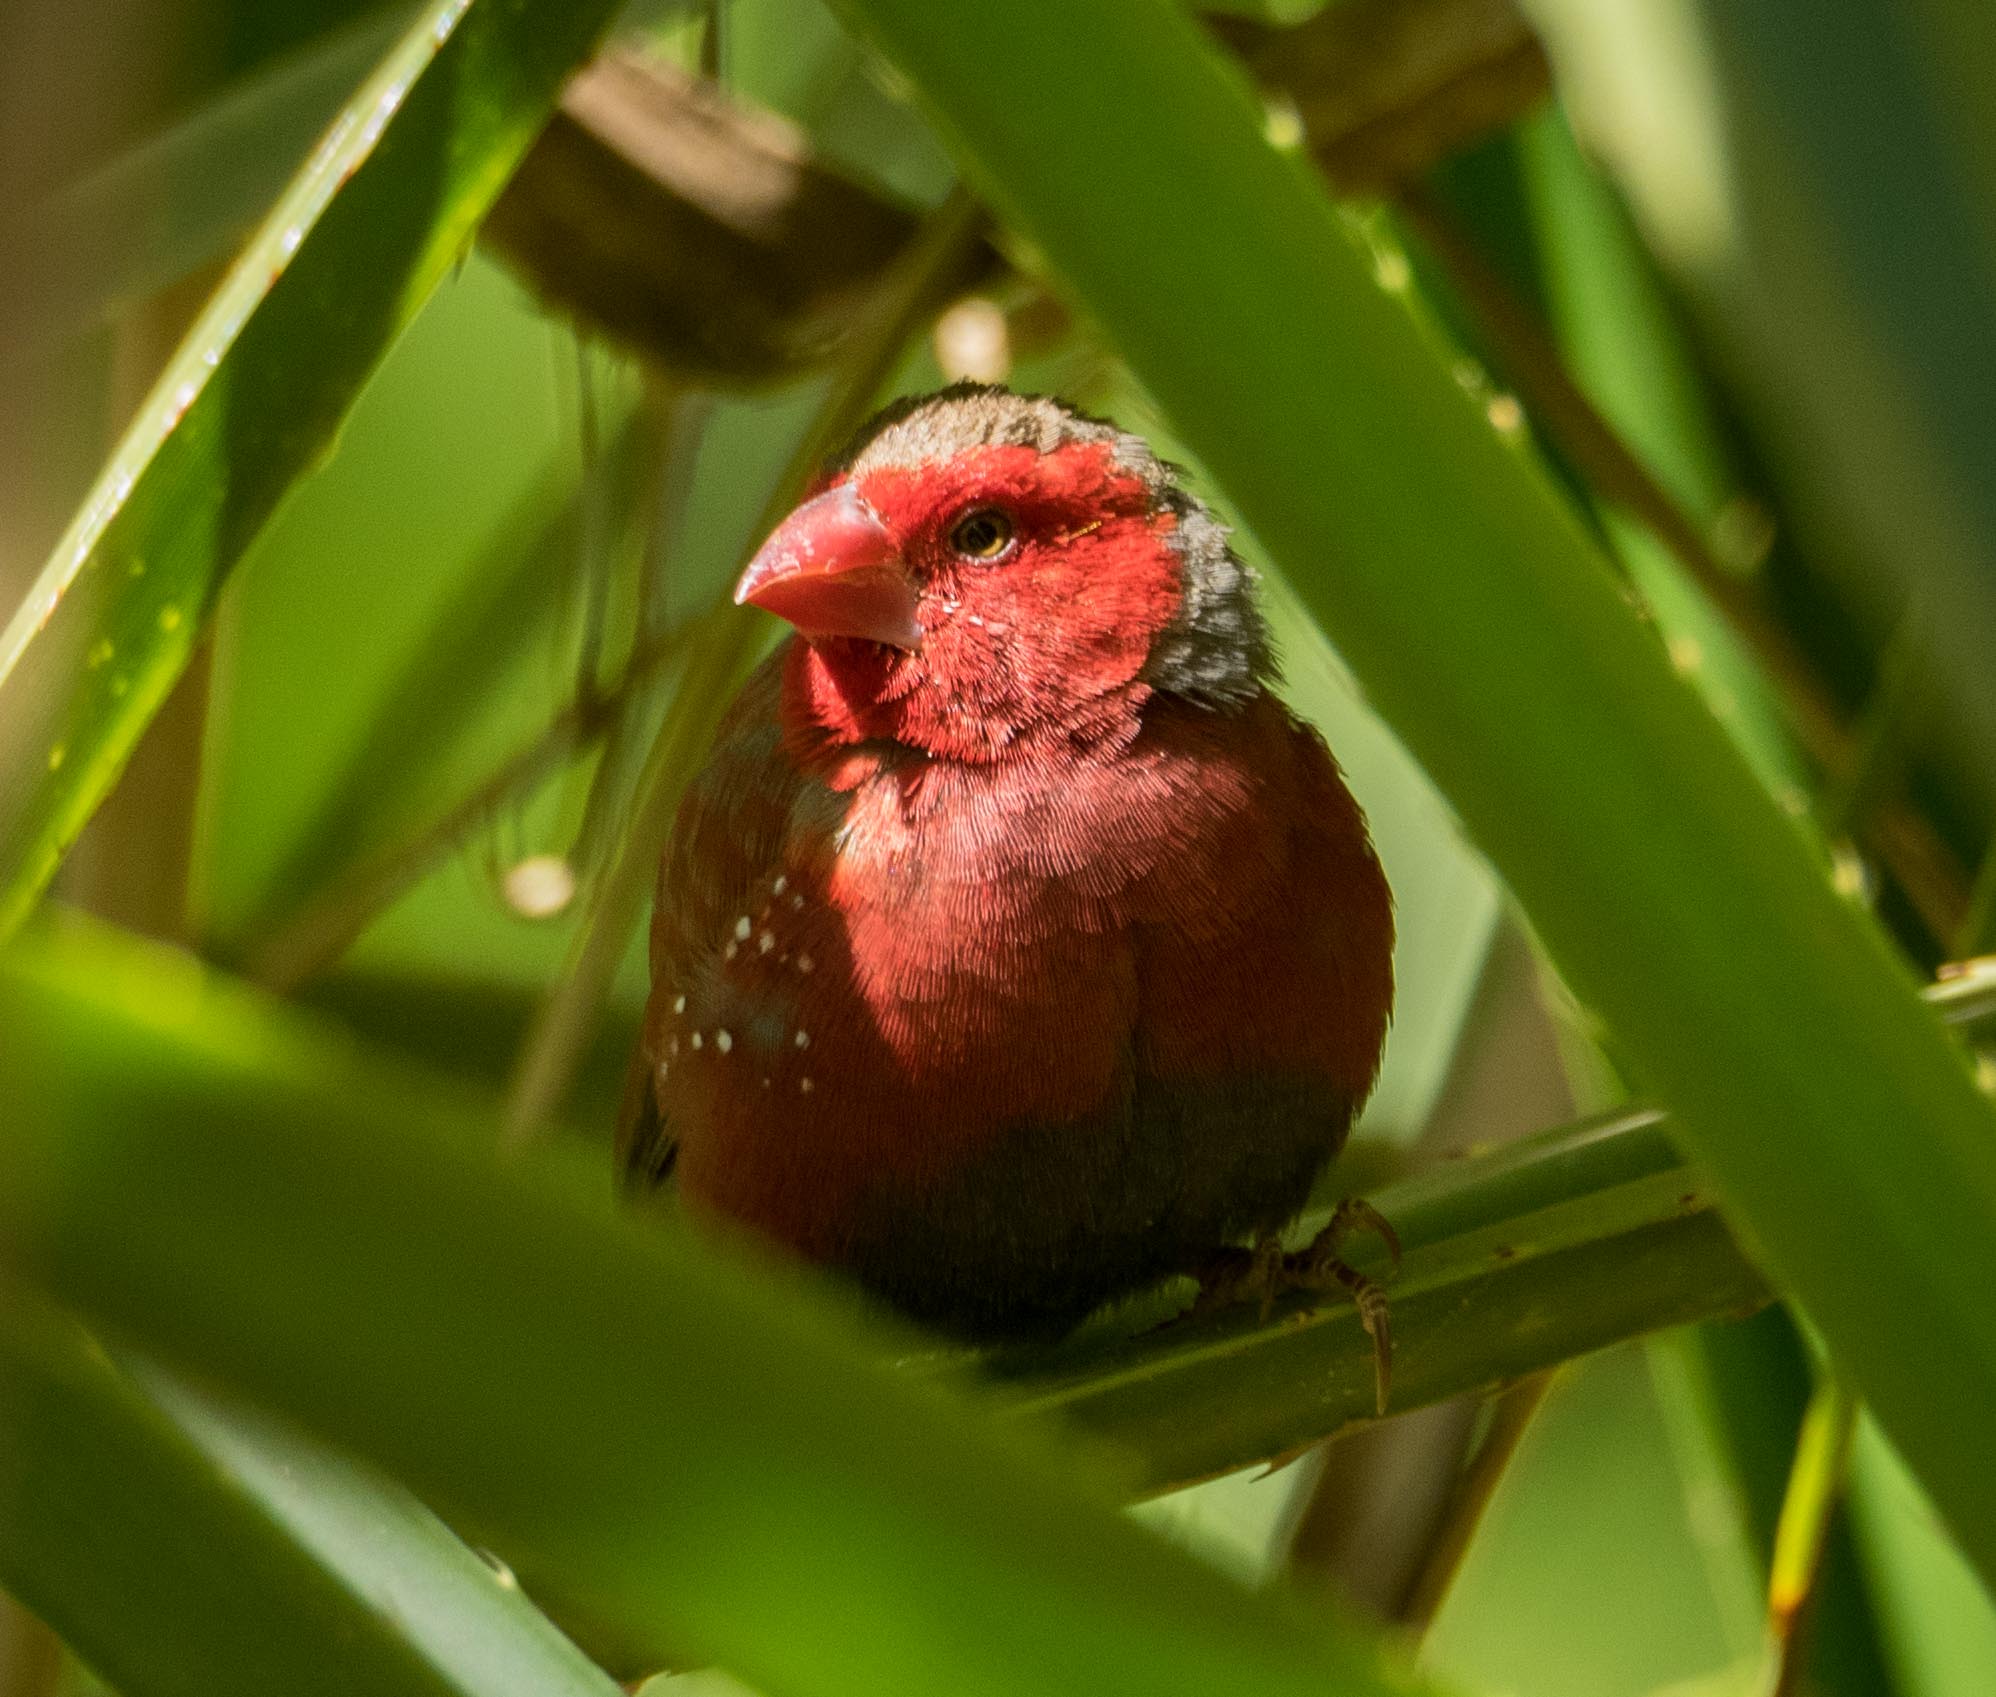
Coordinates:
(1016, 949)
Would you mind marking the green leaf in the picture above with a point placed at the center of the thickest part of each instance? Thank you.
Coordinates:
(1734, 1397)
(707, 1461)
(378, 215)
(187, 1550)
(1940, 1629)
(1830, 1107)
(687, 1457)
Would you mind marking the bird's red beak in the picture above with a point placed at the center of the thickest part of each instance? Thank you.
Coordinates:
(831, 569)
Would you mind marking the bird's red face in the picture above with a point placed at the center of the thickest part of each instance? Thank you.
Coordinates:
(965, 601)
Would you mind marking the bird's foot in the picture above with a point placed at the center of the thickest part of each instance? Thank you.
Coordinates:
(1233, 1275)
(1321, 1265)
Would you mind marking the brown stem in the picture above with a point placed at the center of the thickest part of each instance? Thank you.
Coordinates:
(31, 1656)
(1511, 1415)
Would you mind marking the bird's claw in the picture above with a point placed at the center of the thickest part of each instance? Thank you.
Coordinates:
(1321, 1265)
(1235, 1274)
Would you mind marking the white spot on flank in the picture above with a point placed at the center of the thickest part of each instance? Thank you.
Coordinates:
(672, 1048)
(805, 1087)
(804, 963)
(698, 1040)
(678, 1004)
(782, 883)
(742, 929)
(802, 1039)
(765, 942)
(797, 902)
(724, 1040)
(731, 951)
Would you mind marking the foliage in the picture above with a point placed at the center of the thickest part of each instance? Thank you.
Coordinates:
(311, 1289)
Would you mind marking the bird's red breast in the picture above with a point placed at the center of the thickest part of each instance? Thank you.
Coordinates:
(1016, 945)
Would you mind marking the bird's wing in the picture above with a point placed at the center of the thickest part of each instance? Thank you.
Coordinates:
(727, 837)
(1274, 952)
(646, 1148)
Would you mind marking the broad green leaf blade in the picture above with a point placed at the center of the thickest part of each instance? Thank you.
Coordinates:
(1830, 1107)
(1734, 1396)
(1940, 1628)
(184, 1550)
(709, 1463)
(377, 216)
(276, 1210)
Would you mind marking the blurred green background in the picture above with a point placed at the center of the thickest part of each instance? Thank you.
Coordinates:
(520, 501)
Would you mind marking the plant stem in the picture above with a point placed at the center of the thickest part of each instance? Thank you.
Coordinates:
(1815, 1487)
(1511, 1415)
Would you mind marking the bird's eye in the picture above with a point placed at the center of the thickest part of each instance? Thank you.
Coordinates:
(984, 533)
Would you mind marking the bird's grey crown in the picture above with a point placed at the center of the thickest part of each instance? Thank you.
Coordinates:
(1216, 651)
